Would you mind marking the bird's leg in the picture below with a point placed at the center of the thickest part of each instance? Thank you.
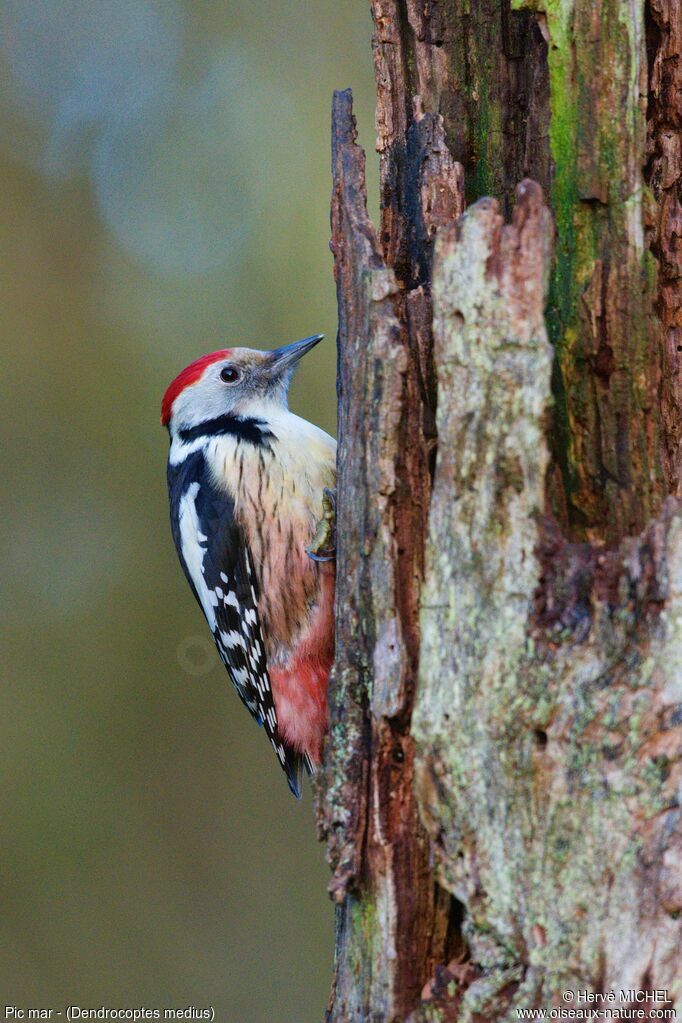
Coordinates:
(323, 545)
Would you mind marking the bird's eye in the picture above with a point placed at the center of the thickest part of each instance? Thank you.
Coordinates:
(230, 374)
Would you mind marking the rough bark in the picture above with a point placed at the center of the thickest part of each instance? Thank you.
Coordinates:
(548, 730)
(502, 779)
(392, 916)
(664, 178)
(529, 88)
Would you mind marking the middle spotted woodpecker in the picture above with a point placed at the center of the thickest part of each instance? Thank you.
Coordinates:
(246, 479)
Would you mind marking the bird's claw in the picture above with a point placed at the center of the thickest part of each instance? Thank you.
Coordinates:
(323, 545)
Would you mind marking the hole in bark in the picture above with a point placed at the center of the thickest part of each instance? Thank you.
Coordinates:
(540, 738)
(455, 943)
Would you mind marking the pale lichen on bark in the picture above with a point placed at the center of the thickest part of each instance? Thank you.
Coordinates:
(549, 738)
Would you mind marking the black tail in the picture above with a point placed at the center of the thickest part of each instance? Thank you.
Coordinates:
(293, 766)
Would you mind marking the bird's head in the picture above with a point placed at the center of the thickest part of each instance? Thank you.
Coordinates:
(233, 381)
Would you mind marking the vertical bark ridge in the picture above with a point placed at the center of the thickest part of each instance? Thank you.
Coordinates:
(664, 178)
(392, 918)
(526, 88)
(482, 67)
(607, 437)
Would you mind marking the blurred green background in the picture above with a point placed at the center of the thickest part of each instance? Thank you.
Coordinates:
(165, 191)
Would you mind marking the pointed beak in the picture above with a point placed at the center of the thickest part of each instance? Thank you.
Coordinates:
(286, 357)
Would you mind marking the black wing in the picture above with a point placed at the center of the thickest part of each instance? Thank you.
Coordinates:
(228, 594)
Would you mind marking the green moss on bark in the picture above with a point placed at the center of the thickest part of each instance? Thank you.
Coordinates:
(606, 372)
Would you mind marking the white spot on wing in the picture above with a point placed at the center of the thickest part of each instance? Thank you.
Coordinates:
(232, 640)
(192, 551)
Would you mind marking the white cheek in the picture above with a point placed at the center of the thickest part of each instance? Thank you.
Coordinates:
(204, 400)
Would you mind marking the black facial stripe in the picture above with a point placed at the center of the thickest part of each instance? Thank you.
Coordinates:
(253, 431)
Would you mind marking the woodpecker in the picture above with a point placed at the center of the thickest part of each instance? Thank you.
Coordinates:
(246, 485)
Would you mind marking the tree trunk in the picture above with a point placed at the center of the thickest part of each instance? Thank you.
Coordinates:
(501, 794)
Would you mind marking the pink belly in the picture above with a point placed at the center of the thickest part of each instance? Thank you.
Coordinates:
(299, 686)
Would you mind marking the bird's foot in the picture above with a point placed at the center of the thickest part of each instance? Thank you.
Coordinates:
(323, 544)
